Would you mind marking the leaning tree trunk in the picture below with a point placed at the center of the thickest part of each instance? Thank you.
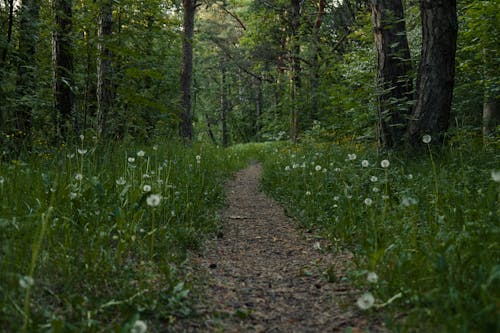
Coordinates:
(393, 68)
(186, 126)
(105, 91)
(26, 76)
(436, 71)
(62, 58)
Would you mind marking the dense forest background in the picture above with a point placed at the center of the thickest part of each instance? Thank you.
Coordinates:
(258, 70)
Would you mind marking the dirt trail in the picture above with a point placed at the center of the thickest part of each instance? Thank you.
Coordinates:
(263, 275)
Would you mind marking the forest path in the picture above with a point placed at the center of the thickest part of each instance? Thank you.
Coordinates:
(262, 275)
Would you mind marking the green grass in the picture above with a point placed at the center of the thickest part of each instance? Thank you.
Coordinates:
(83, 250)
(428, 226)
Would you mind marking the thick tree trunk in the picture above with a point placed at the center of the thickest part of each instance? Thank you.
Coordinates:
(105, 91)
(62, 57)
(393, 68)
(295, 69)
(186, 126)
(26, 76)
(436, 71)
(224, 105)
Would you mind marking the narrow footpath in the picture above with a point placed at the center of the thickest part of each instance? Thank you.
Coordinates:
(262, 274)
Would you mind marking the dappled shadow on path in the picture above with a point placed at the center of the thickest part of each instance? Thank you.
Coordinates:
(262, 275)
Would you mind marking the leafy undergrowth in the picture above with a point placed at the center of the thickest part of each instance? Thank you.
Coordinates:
(424, 230)
(93, 239)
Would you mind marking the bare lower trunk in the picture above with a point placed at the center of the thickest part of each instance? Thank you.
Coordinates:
(295, 69)
(436, 71)
(186, 126)
(62, 58)
(393, 68)
(490, 117)
(224, 106)
(105, 94)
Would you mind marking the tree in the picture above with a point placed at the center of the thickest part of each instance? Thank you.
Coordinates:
(62, 58)
(186, 126)
(393, 71)
(436, 72)
(295, 68)
(105, 94)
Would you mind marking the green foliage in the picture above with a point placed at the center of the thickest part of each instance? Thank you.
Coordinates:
(91, 236)
(428, 226)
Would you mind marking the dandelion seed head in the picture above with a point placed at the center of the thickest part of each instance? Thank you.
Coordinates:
(410, 176)
(141, 153)
(82, 137)
(373, 179)
(365, 301)
(287, 168)
(385, 164)
(375, 189)
(372, 277)
(26, 282)
(368, 201)
(139, 327)
(351, 157)
(121, 181)
(73, 195)
(81, 151)
(318, 168)
(70, 156)
(308, 193)
(131, 159)
(495, 175)
(153, 200)
(146, 188)
(426, 138)
(365, 164)
(78, 176)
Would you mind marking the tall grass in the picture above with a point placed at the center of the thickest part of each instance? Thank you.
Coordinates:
(428, 226)
(93, 238)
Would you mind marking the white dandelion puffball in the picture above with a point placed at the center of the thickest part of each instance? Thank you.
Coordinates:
(141, 153)
(426, 139)
(153, 200)
(365, 164)
(372, 277)
(82, 151)
(131, 160)
(495, 175)
(78, 176)
(385, 163)
(368, 201)
(365, 301)
(121, 181)
(26, 282)
(318, 168)
(139, 327)
(373, 179)
(146, 188)
(351, 157)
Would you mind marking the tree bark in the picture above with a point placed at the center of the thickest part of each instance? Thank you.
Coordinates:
(224, 105)
(186, 126)
(105, 91)
(295, 68)
(393, 68)
(315, 61)
(62, 57)
(490, 117)
(436, 71)
(26, 75)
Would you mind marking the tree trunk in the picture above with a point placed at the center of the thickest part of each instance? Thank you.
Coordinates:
(490, 117)
(295, 69)
(224, 105)
(63, 68)
(10, 24)
(436, 71)
(186, 126)
(315, 61)
(105, 91)
(393, 68)
(259, 107)
(26, 75)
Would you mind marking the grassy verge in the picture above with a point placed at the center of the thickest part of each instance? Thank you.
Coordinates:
(92, 238)
(424, 230)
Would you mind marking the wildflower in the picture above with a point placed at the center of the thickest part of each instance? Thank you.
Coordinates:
(121, 181)
(198, 158)
(131, 160)
(385, 164)
(146, 188)
(82, 151)
(26, 282)
(495, 175)
(79, 176)
(410, 176)
(372, 277)
(139, 327)
(368, 201)
(141, 153)
(426, 139)
(70, 156)
(287, 168)
(373, 179)
(365, 301)
(295, 165)
(375, 189)
(308, 193)
(82, 137)
(318, 168)
(153, 200)
(73, 195)
(351, 157)
(365, 164)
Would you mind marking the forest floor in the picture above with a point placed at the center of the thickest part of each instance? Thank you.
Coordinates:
(263, 274)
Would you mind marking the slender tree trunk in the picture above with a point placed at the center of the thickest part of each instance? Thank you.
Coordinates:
(295, 68)
(10, 24)
(436, 71)
(259, 107)
(224, 105)
(315, 61)
(105, 91)
(490, 116)
(186, 126)
(26, 75)
(62, 57)
(393, 69)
